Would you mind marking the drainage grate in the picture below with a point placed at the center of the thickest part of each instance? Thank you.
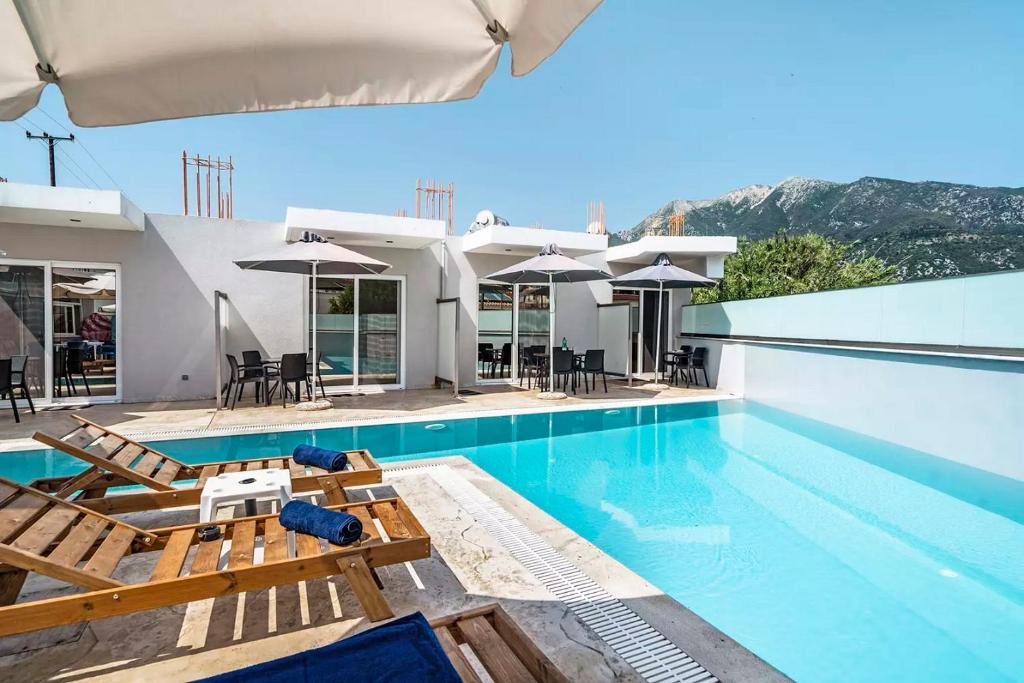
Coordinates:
(651, 654)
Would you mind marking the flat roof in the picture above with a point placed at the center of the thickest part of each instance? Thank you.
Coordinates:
(646, 249)
(507, 239)
(71, 207)
(364, 229)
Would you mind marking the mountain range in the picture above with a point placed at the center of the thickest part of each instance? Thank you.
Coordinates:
(926, 229)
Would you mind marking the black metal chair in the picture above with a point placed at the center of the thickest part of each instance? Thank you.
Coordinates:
(593, 365)
(19, 379)
(74, 357)
(254, 365)
(293, 369)
(677, 360)
(502, 360)
(564, 366)
(484, 355)
(240, 376)
(695, 362)
(6, 388)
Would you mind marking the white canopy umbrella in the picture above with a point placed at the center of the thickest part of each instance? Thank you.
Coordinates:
(549, 267)
(313, 256)
(120, 62)
(661, 274)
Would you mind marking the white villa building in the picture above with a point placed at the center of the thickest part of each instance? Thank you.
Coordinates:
(173, 297)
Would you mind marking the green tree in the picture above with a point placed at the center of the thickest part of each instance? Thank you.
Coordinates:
(793, 264)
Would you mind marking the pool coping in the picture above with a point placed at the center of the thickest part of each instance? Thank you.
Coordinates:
(718, 653)
(155, 435)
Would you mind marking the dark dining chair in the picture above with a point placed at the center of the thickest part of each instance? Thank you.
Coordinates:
(238, 377)
(564, 365)
(593, 365)
(6, 389)
(502, 360)
(19, 379)
(696, 361)
(293, 370)
(484, 355)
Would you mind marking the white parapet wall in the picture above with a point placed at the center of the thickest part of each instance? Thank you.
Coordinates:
(935, 366)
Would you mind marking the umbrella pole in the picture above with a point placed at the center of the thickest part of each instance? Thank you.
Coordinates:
(551, 334)
(316, 360)
(657, 341)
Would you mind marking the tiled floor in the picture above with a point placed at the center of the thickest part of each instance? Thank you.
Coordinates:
(190, 415)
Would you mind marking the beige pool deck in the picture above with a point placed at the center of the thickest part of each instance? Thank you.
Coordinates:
(470, 565)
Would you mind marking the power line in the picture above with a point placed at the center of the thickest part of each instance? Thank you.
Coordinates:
(70, 158)
(51, 143)
(84, 148)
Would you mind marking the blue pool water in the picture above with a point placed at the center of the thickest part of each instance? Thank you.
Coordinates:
(833, 556)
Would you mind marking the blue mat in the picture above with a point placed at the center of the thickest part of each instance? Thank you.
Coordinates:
(402, 651)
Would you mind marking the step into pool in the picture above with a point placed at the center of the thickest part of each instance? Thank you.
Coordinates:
(833, 556)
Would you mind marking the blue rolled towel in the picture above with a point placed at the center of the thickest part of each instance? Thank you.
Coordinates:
(338, 528)
(332, 461)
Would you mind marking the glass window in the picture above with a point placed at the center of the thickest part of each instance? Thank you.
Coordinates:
(335, 305)
(494, 337)
(85, 347)
(23, 322)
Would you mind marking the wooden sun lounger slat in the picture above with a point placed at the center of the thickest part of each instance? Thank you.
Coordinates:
(243, 544)
(207, 556)
(296, 469)
(455, 655)
(19, 512)
(167, 472)
(108, 446)
(369, 528)
(318, 471)
(46, 529)
(356, 459)
(496, 656)
(253, 465)
(6, 491)
(78, 541)
(147, 464)
(83, 436)
(208, 471)
(275, 541)
(306, 545)
(111, 550)
(232, 467)
(389, 518)
(275, 464)
(127, 455)
(172, 559)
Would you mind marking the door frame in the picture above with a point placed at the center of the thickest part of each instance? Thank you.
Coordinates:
(514, 374)
(48, 398)
(403, 296)
(638, 361)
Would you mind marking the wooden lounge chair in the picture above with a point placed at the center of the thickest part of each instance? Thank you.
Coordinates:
(497, 642)
(56, 538)
(118, 461)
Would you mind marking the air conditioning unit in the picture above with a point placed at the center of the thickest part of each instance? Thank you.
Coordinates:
(485, 219)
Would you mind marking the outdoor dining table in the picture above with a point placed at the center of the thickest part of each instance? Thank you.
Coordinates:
(683, 356)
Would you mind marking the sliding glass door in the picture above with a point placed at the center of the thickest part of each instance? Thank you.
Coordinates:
(644, 324)
(59, 322)
(510, 318)
(359, 331)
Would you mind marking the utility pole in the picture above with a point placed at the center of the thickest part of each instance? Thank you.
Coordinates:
(51, 142)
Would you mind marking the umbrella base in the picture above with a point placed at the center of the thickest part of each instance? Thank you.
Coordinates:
(551, 395)
(307, 406)
(655, 385)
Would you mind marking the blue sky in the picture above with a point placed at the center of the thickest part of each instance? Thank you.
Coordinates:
(647, 102)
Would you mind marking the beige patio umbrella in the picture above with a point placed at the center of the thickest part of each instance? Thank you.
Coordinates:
(313, 256)
(119, 61)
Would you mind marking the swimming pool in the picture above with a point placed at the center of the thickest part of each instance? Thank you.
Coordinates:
(831, 555)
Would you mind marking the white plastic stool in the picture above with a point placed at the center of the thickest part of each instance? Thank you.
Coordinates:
(248, 487)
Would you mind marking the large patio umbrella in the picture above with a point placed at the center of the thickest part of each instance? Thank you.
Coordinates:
(549, 267)
(663, 275)
(313, 256)
(120, 62)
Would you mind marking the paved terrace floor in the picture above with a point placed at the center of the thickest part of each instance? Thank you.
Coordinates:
(152, 418)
